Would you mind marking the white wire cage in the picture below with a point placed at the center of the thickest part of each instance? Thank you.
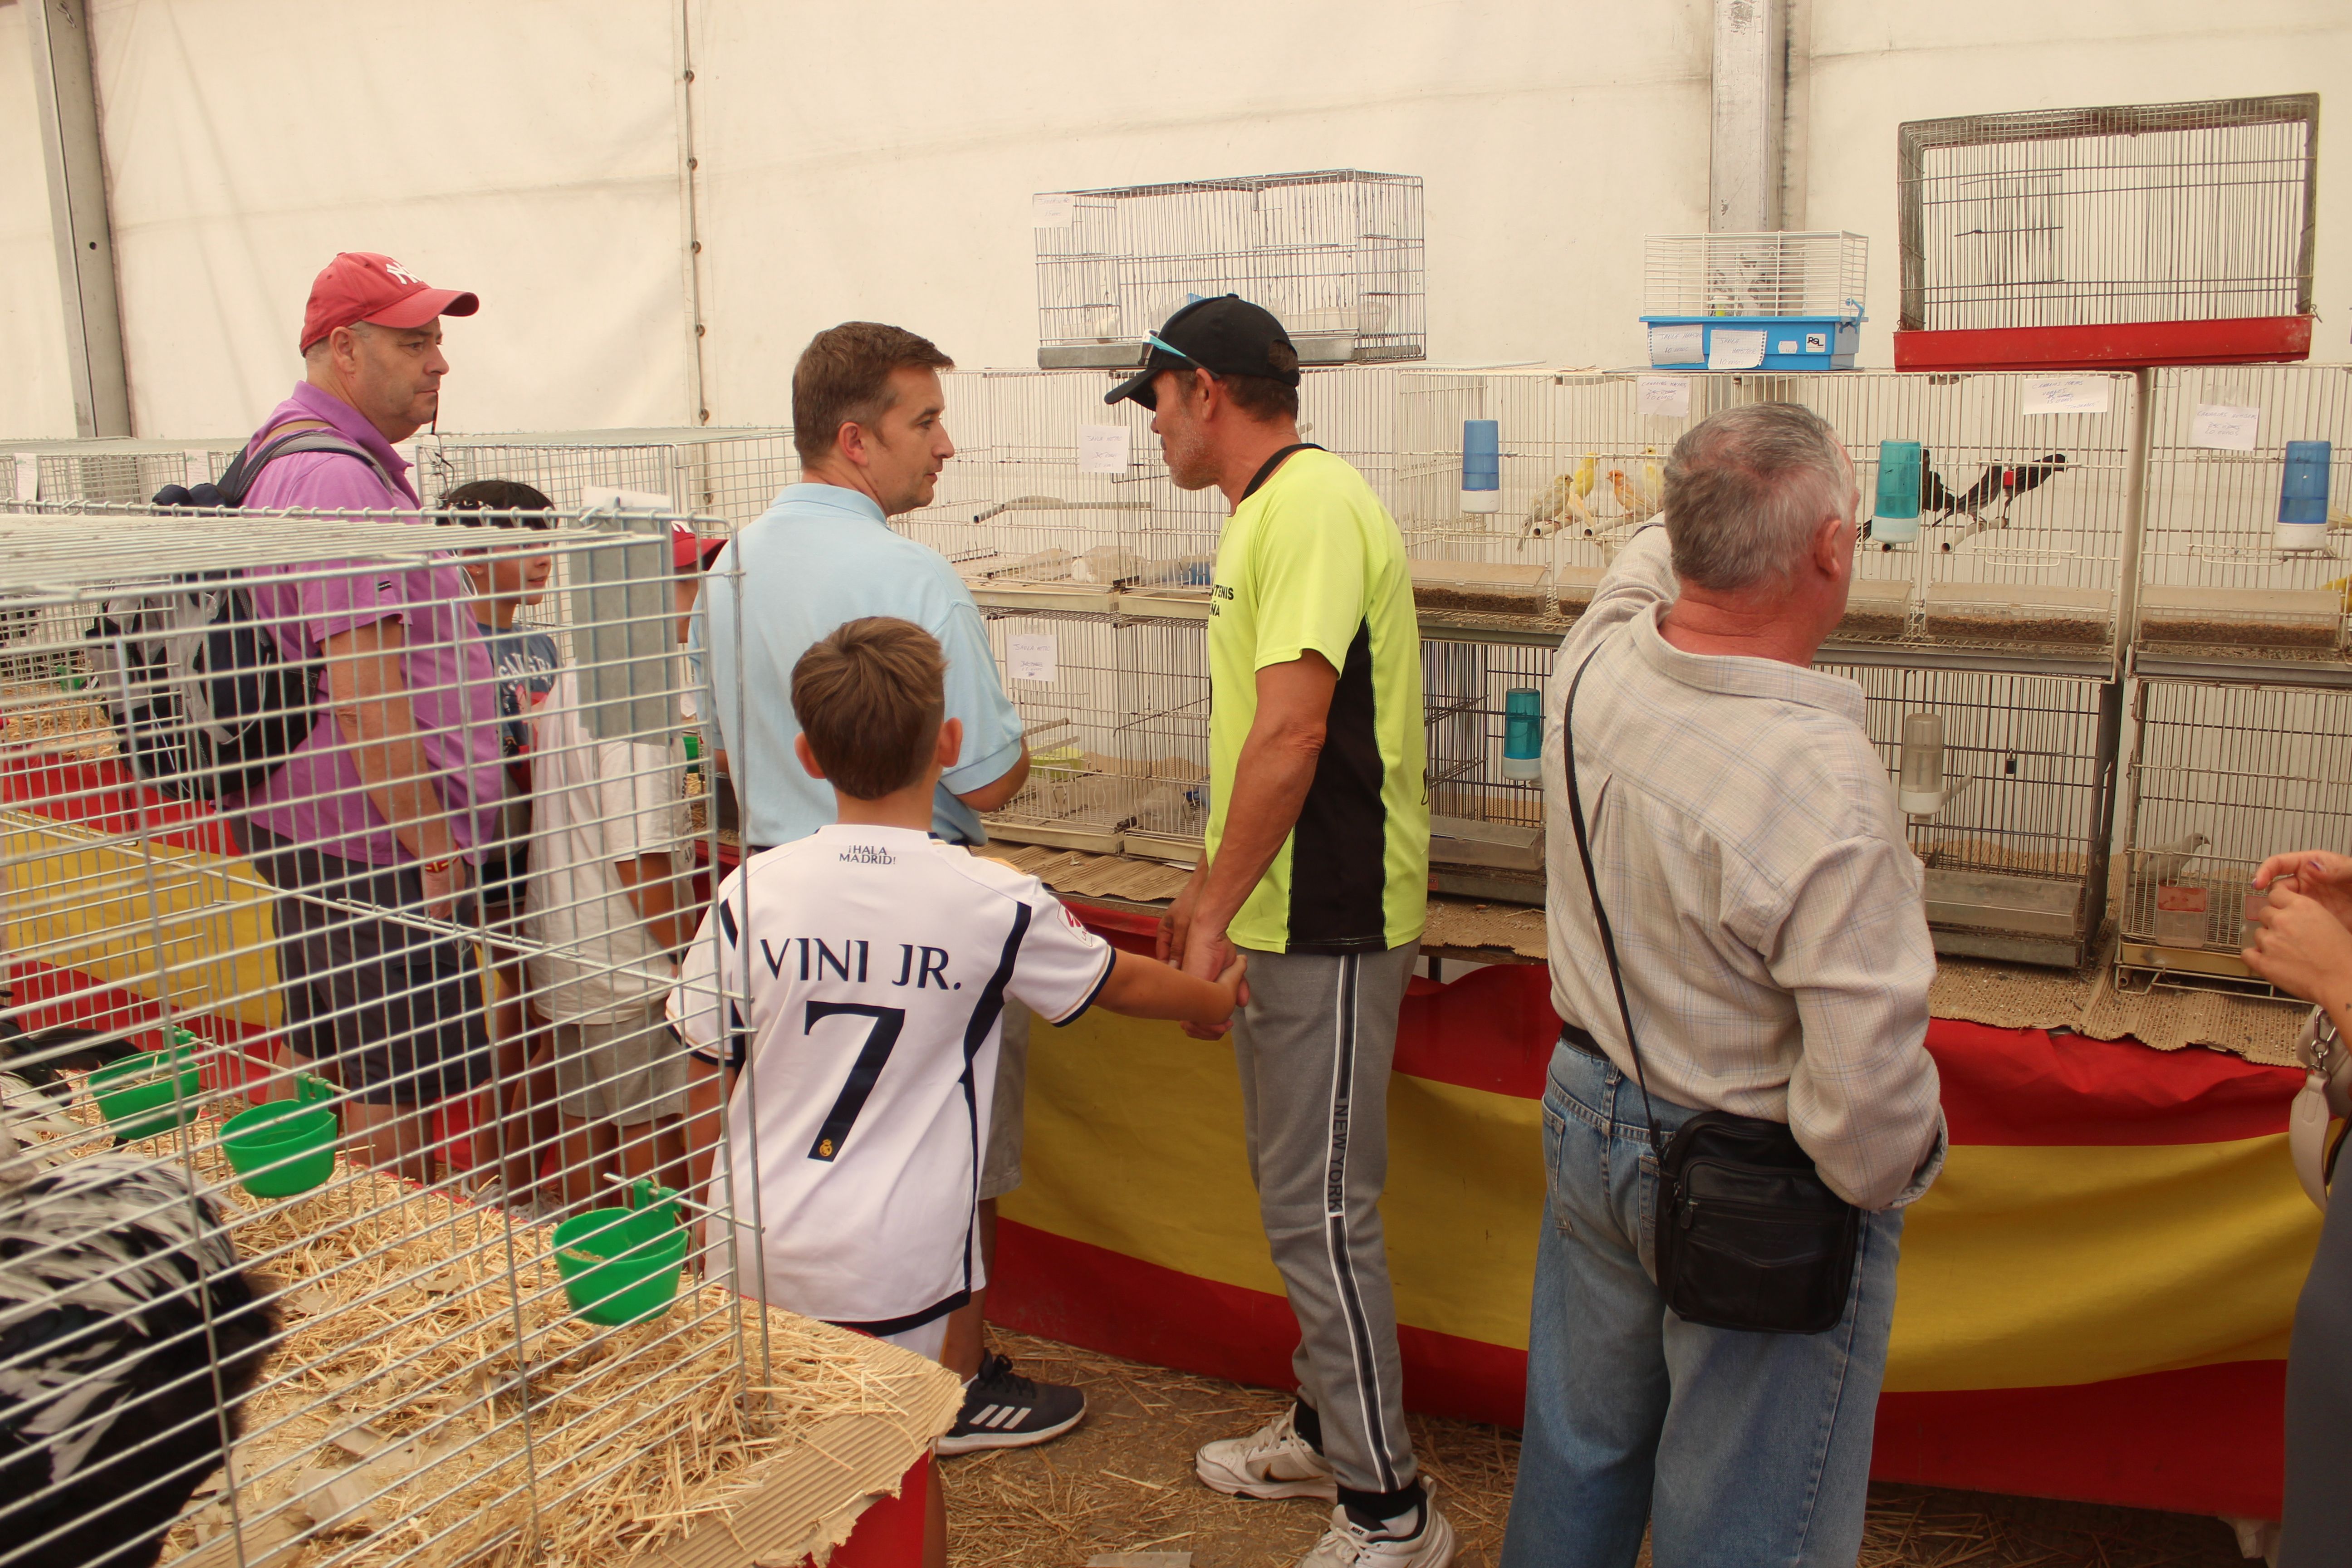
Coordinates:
(282, 1158)
(106, 470)
(2141, 216)
(1335, 254)
(1779, 300)
(2012, 794)
(2010, 550)
(1055, 501)
(1116, 715)
(731, 473)
(2224, 586)
(2221, 777)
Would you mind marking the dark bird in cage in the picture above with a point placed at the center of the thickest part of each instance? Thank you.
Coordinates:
(1934, 499)
(38, 1063)
(129, 1336)
(2015, 480)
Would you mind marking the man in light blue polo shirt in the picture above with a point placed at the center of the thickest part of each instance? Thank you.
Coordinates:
(868, 422)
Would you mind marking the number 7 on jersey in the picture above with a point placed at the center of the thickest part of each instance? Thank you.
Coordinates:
(881, 1036)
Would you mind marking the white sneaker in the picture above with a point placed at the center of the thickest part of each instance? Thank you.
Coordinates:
(1272, 1462)
(1347, 1544)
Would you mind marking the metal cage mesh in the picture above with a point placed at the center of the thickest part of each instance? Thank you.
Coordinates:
(2168, 212)
(1337, 254)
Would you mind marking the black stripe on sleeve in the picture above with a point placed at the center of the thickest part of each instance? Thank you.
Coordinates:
(1110, 961)
(984, 1014)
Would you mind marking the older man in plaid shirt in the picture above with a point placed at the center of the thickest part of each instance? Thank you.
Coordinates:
(1776, 961)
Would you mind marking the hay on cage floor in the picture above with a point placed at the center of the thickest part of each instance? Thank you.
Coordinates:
(435, 1400)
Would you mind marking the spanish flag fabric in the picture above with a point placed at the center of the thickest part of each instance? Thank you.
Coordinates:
(2093, 1300)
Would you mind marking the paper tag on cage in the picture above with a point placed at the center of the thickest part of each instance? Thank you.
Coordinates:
(1052, 209)
(2066, 394)
(28, 477)
(2180, 913)
(593, 495)
(1677, 346)
(1104, 448)
(2224, 427)
(198, 464)
(1668, 396)
(1032, 657)
(1734, 348)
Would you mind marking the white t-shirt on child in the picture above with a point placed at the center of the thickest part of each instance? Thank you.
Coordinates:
(876, 962)
(595, 804)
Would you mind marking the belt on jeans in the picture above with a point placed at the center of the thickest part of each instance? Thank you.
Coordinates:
(1569, 1035)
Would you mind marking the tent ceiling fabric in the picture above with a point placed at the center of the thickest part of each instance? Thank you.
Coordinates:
(530, 150)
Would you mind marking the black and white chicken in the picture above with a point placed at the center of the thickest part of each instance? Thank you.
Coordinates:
(129, 1336)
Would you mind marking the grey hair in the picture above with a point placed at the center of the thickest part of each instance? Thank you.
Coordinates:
(1747, 487)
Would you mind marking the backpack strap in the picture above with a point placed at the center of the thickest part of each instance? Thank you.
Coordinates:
(311, 437)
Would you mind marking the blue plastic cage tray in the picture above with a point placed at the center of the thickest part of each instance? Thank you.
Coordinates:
(1786, 342)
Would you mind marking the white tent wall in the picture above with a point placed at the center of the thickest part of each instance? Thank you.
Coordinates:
(844, 181)
(1873, 65)
(531, 150)
(526, 150)
(37, 394)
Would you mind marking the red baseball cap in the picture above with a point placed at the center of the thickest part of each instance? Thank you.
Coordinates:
(688, 549)
(361, 286)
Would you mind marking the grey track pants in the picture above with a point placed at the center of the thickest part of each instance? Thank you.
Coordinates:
(1315, 1047)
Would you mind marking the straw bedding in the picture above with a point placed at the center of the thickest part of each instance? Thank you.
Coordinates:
(395, 1421)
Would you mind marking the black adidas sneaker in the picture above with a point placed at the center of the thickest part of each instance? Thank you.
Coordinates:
(1002, 1409)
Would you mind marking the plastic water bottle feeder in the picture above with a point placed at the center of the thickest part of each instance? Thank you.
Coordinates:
(1924, 788)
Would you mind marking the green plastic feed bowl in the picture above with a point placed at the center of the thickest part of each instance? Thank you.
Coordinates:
(141, 1096)
(621, 1265)
(281, 1149)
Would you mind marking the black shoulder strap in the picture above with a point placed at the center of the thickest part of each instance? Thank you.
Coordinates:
(239, 479)
(1592, 885)
(1266, 469)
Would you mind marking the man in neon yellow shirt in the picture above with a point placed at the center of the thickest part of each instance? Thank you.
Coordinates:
(1316, 866)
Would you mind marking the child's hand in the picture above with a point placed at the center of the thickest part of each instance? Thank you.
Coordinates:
(1236, 990)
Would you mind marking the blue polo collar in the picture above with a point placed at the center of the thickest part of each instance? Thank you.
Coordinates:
(833, 497)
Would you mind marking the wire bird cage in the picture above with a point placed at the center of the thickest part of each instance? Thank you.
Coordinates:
(1337, 254)
(1483, 708)
(2148, 234)
(313, 1253)
(2244, 565)
(730, 473)
(2220, 778)
(2009, 794)
(1747, 301)
(106, 470)
(1996, 534)
(1116, 715)
(1055, 501)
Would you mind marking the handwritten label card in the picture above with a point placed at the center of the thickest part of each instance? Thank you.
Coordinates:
(1677, 346)
(1734, 348)
(199, 467)
(1668, 396)
(1032, 657)
(2066, 394)
(1052, 209)
(2225, 426)
(1104, 448)
(28, 477)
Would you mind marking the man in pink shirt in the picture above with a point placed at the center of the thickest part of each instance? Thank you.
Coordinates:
(395, 792)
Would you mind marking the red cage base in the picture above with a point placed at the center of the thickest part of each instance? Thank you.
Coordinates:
(2251, 340)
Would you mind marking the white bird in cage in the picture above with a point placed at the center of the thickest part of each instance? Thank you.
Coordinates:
(128, 1325)
(2164, 861)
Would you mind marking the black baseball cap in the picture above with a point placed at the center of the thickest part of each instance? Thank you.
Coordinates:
(1224, 336)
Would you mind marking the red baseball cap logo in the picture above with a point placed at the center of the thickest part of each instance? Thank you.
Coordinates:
(361, 286)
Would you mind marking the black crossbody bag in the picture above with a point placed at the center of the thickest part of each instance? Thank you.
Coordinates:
(1747, 1236)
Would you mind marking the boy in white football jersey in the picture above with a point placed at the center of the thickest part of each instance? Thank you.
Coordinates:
(855, 979)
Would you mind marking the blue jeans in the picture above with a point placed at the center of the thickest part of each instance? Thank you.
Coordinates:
(1740, 1450)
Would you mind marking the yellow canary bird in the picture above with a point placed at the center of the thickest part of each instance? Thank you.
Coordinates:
(2344, 586)
(1629, 496)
